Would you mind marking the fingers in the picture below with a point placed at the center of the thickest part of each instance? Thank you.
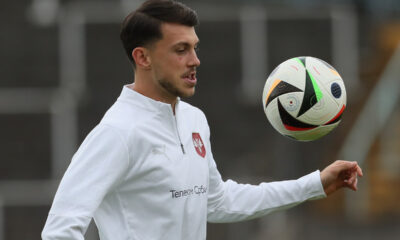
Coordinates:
(350, 172)
(341, 166)
(341, 174)
(353, 185)
(352, 181)
(350, 166)
(359, 171)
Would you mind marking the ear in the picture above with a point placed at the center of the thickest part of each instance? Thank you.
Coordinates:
(141, 57)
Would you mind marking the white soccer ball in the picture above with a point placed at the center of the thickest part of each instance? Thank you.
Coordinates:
(304, 98)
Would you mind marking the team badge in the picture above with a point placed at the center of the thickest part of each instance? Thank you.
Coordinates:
(198, 144)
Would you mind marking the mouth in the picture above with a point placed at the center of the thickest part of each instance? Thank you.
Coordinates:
(190, 78)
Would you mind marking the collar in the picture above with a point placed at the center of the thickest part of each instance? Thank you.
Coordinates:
(131, 96)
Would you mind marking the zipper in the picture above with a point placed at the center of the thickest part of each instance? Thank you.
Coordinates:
(177, 132)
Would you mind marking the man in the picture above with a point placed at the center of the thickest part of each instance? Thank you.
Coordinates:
(146, 171)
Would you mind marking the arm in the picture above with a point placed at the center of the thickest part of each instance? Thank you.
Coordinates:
(230, 202)
(97, 167)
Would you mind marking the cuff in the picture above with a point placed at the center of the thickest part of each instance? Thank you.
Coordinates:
(313, 186)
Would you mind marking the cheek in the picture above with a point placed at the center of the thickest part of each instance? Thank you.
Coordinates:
(175, 63)
(175, 60)
(171, 65)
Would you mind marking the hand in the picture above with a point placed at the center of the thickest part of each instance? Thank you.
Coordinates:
(340, 174)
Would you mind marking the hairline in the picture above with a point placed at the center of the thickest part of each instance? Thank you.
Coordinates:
(152, 43)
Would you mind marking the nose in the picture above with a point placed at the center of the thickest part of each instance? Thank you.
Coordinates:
(194, 60)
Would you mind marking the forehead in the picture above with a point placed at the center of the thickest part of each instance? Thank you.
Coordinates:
(176, 33)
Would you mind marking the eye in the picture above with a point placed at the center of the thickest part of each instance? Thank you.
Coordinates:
(180, 50)
(197, 48)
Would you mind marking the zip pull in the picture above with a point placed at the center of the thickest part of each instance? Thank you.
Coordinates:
(183, 149)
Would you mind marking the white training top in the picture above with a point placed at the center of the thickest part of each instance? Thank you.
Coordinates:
(144, 173)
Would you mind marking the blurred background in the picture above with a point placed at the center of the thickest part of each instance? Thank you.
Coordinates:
(62, 66)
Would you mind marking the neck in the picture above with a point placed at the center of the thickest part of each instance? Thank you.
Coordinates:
(142, 86)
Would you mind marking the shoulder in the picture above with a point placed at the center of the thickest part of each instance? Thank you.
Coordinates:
(124, 116)
(123, 119)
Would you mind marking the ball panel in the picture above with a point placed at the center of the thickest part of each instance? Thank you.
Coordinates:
(313, 134)
(272, 113)
(274, 71)
(270, 90)
(337, 117)
(302, 60)
(279, 88)
(323, 68)
(292, 102)
(324, 110)
(310, 94)
(292, 70)
(331, 68)
(291, 123)
(326, 75)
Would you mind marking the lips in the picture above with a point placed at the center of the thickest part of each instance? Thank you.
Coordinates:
(190, 78)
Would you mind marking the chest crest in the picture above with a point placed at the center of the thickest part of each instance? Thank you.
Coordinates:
(198, 144)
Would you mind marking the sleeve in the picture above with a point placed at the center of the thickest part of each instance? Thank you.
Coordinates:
(229, 201)
(97, 167)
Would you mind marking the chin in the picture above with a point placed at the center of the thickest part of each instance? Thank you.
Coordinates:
(188, 93)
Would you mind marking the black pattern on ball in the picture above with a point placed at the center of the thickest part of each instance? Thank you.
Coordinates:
(290, 122)
(281, 88)
(310, 98)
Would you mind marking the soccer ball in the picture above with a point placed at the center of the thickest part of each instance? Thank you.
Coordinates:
(304, 98)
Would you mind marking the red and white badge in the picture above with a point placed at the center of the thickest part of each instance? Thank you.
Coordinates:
(198, 144)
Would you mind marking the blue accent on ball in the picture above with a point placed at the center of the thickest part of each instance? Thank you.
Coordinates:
(336, 90)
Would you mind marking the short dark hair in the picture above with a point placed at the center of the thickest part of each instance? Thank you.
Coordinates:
(143, 26)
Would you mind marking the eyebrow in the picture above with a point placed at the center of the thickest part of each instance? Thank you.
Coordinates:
(186, 44)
